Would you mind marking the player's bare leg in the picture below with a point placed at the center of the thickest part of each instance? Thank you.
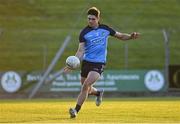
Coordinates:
(96, 92)
(92, 90)
(90, 80)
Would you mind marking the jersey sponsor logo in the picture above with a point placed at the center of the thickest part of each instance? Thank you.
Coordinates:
(98, 40)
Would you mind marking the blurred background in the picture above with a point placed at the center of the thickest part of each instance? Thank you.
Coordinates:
(32, 31)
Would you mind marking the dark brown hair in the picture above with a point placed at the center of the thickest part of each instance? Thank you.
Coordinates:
(93, 11)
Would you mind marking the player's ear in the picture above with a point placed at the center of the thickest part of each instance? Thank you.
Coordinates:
(98, 19)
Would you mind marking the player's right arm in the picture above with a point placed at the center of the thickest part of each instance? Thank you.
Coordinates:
(79, 54)
(80, 51)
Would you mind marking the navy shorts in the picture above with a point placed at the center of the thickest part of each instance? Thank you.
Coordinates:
(91, 66)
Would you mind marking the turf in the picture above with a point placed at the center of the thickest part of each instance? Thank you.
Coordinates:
(28, 28)
(124, 110)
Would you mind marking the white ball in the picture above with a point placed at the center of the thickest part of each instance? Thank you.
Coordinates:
(73, 62)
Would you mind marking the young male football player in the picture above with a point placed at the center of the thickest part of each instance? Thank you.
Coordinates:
(93, 51)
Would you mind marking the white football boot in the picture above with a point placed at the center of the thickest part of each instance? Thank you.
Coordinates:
(72, 112)
(99, 98)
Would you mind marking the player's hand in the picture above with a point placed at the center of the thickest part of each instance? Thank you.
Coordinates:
(67, 69)
(135, 35)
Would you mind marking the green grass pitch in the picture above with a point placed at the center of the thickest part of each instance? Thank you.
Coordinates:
(122, 110)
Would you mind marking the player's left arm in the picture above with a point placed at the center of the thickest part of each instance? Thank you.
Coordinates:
(125, 36)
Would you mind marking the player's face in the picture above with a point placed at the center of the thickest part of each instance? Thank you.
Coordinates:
(92, 20)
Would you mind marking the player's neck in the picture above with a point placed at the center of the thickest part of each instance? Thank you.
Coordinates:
(95, 26)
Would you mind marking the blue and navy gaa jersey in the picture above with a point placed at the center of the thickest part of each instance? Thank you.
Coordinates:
(96, 42)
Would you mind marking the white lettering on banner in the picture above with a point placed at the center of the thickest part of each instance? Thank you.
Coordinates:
(37, 77)
(55, 83)
(74, 77)
(59, 78)
(74, 83)
(122, 77)
(71, 77)
(33, 77)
